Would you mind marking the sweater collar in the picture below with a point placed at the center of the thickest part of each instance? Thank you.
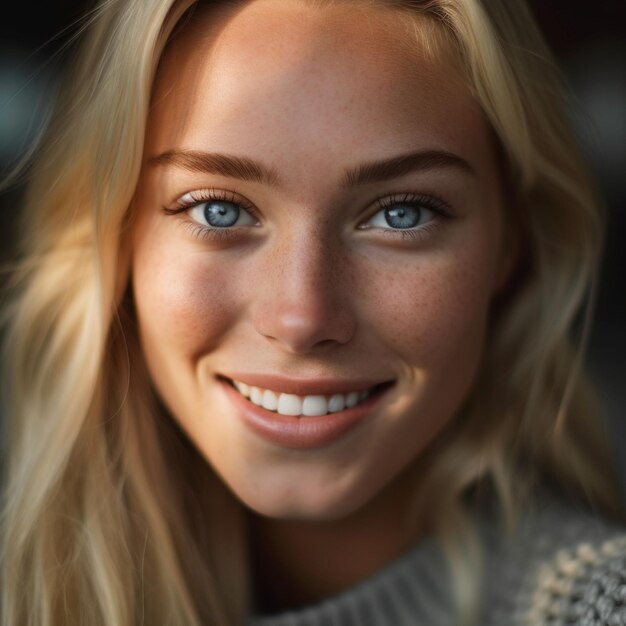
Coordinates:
(412, 589)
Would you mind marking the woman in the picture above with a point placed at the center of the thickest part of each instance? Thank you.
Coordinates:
(290, 339)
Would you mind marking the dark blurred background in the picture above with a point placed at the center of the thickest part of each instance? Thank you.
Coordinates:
(589, 40)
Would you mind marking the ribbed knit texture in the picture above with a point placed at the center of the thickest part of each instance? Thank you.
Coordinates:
(561, 567)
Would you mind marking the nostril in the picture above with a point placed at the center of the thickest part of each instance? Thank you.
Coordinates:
(326, 342)
(302, 329)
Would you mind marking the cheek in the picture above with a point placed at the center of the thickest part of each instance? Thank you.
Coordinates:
(432, 316)
(428, 308)
(184, 305)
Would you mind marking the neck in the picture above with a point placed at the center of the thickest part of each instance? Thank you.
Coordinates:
(300, 562)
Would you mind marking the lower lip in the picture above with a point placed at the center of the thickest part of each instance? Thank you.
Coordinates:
(299, 432)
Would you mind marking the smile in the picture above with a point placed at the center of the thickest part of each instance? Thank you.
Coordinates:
(308, 405)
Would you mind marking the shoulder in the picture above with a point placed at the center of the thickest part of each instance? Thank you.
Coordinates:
(562, 566)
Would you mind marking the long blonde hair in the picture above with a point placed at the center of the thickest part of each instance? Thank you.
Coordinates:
(110, 515)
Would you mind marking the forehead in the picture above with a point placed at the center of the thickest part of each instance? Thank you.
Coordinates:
(305, 81)
(298, 36)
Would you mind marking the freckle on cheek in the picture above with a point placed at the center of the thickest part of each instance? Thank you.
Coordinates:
(430, 314)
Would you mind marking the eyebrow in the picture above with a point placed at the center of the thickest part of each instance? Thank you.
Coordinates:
(376, 171)
(365, 173)
(215, 163)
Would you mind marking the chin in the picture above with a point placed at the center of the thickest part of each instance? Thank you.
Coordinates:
(318, 504)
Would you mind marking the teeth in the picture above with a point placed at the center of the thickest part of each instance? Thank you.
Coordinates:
(352, 399)
(314, 405)
(256, 395)
(336, 403)
(269, 401)
(290, 404)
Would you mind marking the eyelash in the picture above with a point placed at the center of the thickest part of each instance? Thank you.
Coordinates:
(206, 233)
(439, 207)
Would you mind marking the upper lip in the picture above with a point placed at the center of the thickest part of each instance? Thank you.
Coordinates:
(305, 387)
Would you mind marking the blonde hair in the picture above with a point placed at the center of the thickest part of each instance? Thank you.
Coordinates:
(110, 515)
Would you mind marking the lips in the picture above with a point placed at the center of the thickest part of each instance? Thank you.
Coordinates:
(302, 387)
(302, 431)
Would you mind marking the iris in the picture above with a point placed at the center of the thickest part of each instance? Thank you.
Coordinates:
(221, 214)
(402, 216)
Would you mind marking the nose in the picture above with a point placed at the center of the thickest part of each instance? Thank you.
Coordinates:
(302, 301)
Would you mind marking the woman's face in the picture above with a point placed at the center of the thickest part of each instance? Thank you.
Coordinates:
(353, 236)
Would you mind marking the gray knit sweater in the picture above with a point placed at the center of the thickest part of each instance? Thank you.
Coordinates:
(561, 567)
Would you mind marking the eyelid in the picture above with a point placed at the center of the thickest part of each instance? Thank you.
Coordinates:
(200, 196)
(192, 199)
(433, 203)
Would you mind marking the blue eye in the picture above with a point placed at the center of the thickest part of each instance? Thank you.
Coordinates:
(220, 214)
(401, 216)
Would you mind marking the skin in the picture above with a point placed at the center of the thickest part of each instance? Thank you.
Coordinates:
(304, 292)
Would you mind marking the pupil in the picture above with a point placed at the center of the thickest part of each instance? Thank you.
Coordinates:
(402, 216)
(221, 214)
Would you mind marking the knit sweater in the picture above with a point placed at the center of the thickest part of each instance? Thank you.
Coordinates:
(560, 567)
